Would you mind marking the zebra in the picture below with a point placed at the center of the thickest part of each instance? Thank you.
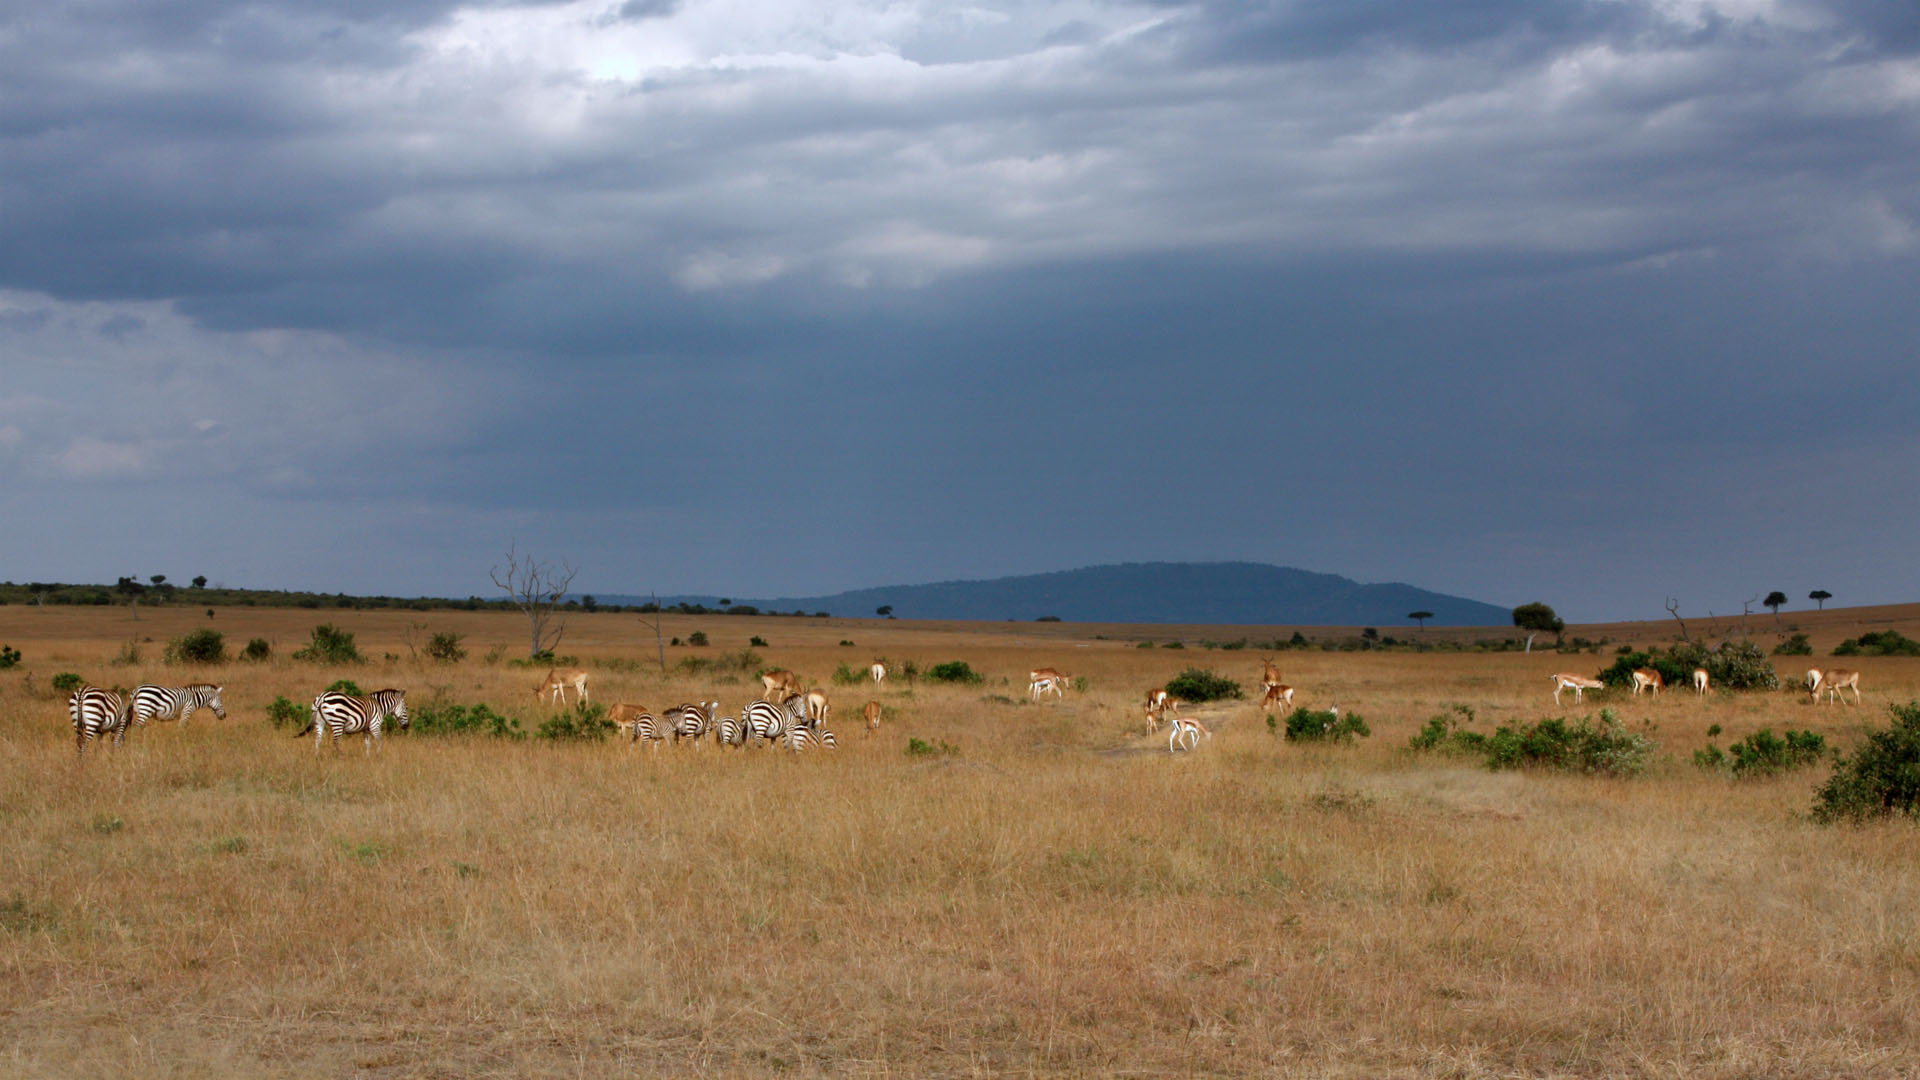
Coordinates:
(97, 713)
(762, 721)
(799, 709)
(336, 714)
(799, 739)
(152, 702)
(691, 721)
(637, 724)
(728, 731)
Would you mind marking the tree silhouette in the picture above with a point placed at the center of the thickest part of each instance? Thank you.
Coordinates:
(1820, 596)
(1537, 618)
(1774, 600)
(536, 588)
(200, 582)
(884, 610)
(1420, 617)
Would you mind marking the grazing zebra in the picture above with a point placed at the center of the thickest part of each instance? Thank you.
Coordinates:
(1186, 730)
(800, 739)
(691, 721)
(336, 714)
(636, 723)
(763, 721)
(729, 732)
(97, 713)
(175, 702)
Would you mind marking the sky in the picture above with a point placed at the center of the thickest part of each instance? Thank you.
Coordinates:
(1592, 302)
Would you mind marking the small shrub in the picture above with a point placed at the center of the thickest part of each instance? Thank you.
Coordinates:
(757, 642)
(1879, 779)
(937, 748)
(1797, 645)
(698, 638)
(844, 643)
(1879, 643)
(1446, 733)
(1309, 725)
(9, 657)
(1736, 665)
(346, 686)
(1763, 753)
(445, 647)
(1197, 685)
(439, 719)
(955, 671)
(257, 650)
(1581, 746)
(284, 713)
(1144, 645)
(582, 722)
(328, 644)
(1174, 645)
(844, 675)
(198, 647)
(67, 682)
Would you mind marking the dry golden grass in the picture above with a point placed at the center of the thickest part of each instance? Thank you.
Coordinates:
(1060, 897)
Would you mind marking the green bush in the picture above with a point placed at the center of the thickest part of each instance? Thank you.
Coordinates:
(955, 671)
(1735, 665)
(1195, 685)
(283, 713)
(844, 675)
(445, 647)
(1763, 753)
(1879, 643)
(67, 682)
(9, 657)
(1581, 746)
(346, 686)
(582, 722)
(257, 650)
(1797, 645)
(698, 637)
(448, 719)
(329, 645)
(198, 647)
(757, 642)
(1445, 733)
(1879, 779)
(1309, 725)
(937, 748)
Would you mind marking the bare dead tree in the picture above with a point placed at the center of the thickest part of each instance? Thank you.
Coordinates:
(658, 640)
(1673, 609)
(536, 588)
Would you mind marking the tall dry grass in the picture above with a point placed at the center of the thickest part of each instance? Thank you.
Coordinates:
(1060, 896)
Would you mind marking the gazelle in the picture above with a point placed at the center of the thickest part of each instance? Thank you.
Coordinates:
(1277, 694)
(1835, 681)
(1700, 680)
(1647, 679)
(1576, 683)
(557, 681)
(872, 713)
(817, 705)
(879, 672)
(1041, 680)
(780, 683)
(1158, 702)
(1186, 730)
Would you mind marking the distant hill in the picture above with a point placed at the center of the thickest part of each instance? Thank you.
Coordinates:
(1214, 593)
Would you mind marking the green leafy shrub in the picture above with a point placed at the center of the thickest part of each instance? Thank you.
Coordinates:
(1197, 685)
(1735, 665)
(757, 642)
(844, 675)
(67, 682)
(1445, 732)
(284, 713)
(1763, 753)
(257, 650)
(346, 686)
(1879, 779)
(9, 657)
(1797, 645)
(955, 671)
(450, 719)
(198, 647)
(582, 722)
(698, 638)
(328, 644)
(1310, 725)
(1583, 746)
(1879, 643)
(445, 647)
(937, 748)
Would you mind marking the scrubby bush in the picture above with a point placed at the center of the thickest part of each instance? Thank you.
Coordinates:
(198, 647)
(346, 686)
(1446, 732)
(844, 675)
(329, 644)
(67, 682)
(449, 719)
(582, 722)
(257, 650)
(1735, 665)
(1879, 779)
(698, 638)
(1197, 685)
(284, 713)
(757, 642)
(1797, 645)
(1763, 753)
(9, 657)
(1308, 725)
(1581, 746)
(955, 671)
(445, 647)
(1879, 643)
(936, 748)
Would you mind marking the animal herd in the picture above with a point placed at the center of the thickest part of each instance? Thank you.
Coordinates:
(1832, 680)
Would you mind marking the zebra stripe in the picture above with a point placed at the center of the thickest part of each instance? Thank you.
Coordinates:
(812, 738)
(97, 713)
(175, 702)
(692, 720)
(799, 714)
(728, 731)
(336, 714)
(763, 722)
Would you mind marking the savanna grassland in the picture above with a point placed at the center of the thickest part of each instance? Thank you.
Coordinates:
(1049, 892)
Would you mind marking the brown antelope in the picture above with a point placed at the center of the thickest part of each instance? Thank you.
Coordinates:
(1700, 680)
(1186, 730)
(1269, 675)
(879, 672)
(781, 684)
(872, 713)
(557, 681)
(1158, 700)
(1835, 682)
(1041, 680)
(1277, 694)
(637, 725)
(817, 705)
(1576, 683)
(1649, 680)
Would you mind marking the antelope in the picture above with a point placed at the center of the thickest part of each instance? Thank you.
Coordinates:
(1649, 680)
(879, 672)
(1041, 680)
(1270, 675)
(1186, 730)
(872, 713)
(1158, 701)
(1835, 682)
(623, 717)
(817, 705)
(1700, 680)
(1277, 693)
(557, 681)
(780, 683)
(1576, 683)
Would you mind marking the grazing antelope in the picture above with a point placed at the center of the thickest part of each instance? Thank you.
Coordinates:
(1269, 675)
(1158, 700)
(625, 717)
(879, 672)
(1041, 680)
(816, 706)
(872, 713)
(1576, 683)
(1186, 730)
(557, 681)
(1277, 694)
(780, 683)
(1700, 680)
(1647, 679)
(1835, 682)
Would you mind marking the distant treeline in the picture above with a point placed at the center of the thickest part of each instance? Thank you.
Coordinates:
(163, 593)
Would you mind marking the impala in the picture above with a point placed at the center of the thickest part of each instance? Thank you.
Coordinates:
(1835, 681)
(1649, 680)
(872, 713)
(1186, 730)
(557, 681)
(780, 683)
(1576, 683)
(1277, 694)
(879, 672)
(816, 705)
(1041, 680)
(1157, 702)
(1700, 680)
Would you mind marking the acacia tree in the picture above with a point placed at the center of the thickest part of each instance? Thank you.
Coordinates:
(536, 588)
(1420, 617)
(1820, 597)
(1774, 600)
(1537, 618)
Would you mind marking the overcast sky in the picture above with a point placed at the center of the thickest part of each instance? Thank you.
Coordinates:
(1587, 302)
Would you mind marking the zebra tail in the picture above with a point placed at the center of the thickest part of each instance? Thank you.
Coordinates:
(304, 730)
